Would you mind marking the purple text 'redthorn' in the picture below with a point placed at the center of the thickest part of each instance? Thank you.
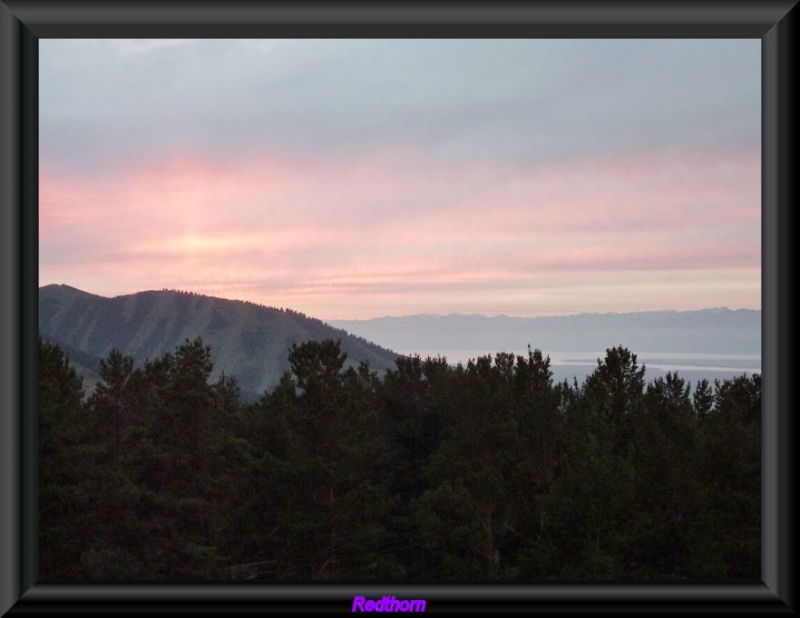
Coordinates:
(387, 604)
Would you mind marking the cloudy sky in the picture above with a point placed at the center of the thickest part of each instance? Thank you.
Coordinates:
(364, 178)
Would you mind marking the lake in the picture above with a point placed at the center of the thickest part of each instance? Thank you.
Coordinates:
(568, 364)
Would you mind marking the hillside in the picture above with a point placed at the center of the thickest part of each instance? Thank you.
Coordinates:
(248, 341)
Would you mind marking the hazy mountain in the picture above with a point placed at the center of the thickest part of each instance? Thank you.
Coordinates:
(251, 342)
(248, 341)
(711, 331)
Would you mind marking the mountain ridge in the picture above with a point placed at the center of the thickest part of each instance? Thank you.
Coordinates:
(707, 310)
(716, 330)
(249, 341)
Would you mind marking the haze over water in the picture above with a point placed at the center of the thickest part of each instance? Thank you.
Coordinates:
(568, 364)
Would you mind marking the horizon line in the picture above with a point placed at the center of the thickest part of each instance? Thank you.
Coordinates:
(486, 315)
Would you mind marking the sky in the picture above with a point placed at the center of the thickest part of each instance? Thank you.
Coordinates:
(352, 179)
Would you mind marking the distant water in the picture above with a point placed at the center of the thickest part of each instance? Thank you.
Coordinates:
(568, 365)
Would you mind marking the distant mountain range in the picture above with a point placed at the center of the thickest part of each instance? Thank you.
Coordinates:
(248, 341)
(708, 331)
(252, 342)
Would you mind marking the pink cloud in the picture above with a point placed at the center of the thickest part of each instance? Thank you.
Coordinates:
(312, 229)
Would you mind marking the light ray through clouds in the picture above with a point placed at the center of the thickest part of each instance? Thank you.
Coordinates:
(355, 179)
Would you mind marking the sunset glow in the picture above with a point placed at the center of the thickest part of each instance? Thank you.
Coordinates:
(473, 216)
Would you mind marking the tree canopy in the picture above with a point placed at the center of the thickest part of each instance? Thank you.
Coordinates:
(480, 472)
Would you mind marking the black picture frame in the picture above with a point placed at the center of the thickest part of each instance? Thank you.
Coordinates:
(23, 23)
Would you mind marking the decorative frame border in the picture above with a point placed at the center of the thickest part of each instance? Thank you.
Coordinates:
(24, 22)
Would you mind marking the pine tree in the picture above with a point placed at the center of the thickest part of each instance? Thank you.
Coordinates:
(61, 429)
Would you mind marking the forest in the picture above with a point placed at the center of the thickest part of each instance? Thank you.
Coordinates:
(429, 472)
